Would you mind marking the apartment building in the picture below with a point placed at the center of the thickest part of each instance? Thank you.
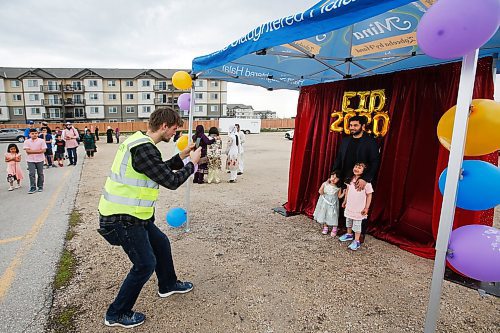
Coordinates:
(240, 111)
(99, 94)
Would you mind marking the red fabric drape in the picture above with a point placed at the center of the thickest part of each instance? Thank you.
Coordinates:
(407, 201)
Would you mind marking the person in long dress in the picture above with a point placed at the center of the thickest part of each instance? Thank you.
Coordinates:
(214, 156)
(109, 135)
(204, 143)
(232, 152)
(327, 207)
(242, 138)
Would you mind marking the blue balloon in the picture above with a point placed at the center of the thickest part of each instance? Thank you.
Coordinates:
(479, 188)
(176, 217)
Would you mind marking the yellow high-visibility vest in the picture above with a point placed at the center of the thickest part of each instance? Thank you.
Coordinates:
(127, 191)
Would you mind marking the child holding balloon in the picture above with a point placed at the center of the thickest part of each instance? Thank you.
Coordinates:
(327, 207)
(356, 204)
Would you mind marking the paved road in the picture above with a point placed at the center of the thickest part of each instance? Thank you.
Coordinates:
(32, 231)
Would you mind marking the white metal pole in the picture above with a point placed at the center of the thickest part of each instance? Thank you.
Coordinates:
(190, 140)
(465, 89)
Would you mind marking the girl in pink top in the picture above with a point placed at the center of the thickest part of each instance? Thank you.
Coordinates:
(356, 204)
(14, 170)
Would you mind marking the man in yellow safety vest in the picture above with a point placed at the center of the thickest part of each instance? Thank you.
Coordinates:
(127, 207)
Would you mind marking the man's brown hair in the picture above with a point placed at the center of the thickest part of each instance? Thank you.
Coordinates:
(164, 115)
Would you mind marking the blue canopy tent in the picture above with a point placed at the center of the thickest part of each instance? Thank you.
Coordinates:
(333, 40)
(343, 39)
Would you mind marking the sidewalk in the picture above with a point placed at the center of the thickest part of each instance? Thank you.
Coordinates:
(32, 231)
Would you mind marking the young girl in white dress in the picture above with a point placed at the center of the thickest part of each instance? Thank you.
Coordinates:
(327, 208)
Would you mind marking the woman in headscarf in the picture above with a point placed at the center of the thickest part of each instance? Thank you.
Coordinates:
(109, 135)
(204, 142)
(232, 152)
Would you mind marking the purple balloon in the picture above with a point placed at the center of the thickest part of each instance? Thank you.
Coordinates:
(184, 101)
(453, 28)
(474, 250)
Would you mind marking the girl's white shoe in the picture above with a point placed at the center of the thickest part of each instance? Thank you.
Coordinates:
(11, 188)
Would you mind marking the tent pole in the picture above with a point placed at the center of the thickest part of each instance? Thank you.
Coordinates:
(465, 90)
(190, 140)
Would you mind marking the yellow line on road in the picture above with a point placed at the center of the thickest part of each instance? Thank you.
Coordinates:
(10, 240)
(10, 272)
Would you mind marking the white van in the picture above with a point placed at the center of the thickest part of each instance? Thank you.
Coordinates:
(248, 126)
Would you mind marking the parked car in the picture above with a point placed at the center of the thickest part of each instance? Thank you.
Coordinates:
(289, 135)
(12, 134)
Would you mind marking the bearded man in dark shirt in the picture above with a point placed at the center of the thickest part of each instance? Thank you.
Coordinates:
(359, 146)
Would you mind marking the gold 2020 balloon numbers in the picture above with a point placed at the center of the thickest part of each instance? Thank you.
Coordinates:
(370, 105)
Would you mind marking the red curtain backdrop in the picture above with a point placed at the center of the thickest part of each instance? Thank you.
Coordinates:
(407, 202)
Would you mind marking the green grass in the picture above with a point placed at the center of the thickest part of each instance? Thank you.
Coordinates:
(74, 219)
(65, 269)
(62, 320)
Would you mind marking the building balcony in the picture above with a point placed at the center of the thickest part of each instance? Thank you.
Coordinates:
(52, 116)
(164, 101)
(72, 114)
(52, 102)
(73, 88)
(51, 88)
(74, 102)
(162, 87)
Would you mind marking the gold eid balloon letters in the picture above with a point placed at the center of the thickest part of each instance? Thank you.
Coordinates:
(370, 104)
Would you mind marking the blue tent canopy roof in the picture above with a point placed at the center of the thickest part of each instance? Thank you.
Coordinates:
(333, 40)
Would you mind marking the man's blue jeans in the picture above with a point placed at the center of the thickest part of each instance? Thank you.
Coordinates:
(72, 155)
(148, 248)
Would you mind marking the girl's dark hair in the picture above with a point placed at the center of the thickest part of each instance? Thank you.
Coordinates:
(213, 130)
(351, 175)
(13, 145)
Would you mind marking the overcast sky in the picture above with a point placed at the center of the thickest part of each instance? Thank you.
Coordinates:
(138, 34)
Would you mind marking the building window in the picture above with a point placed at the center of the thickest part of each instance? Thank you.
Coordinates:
(146, 109)
(146, 96)
(198, 83)
(54, 113)
(76, 85)
(214, 96)
(93, 83)
(52, 86)
(130, 120)
(129, 83)
(146, 83)
(32, 83)
(113, 109)
(15, 83)
(35, 111)
(18, 111)
(112, 96)
(214, 84)
(16, 97)
(94, 97)
(129, 109)
(214, 108)
(94, 110)
(198, 96)
(79, 112)
(198, 108)
(34, 97)
(130, 96)
(113, 120)
(111, 83)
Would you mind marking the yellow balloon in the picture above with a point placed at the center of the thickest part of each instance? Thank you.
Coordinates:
(182, 80)
(182, 143)
(483, 129)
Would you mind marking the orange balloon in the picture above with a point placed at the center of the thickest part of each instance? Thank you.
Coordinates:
(483, 129)
(182, 80)
(182, 143)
